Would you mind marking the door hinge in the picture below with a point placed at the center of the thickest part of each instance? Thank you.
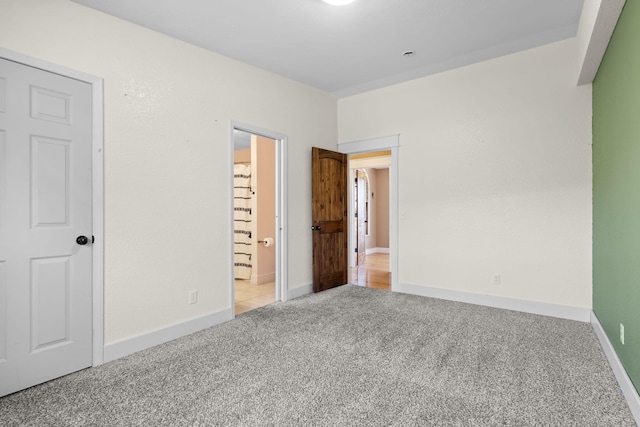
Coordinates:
(93, 239)
(356, 214)
(356, 249)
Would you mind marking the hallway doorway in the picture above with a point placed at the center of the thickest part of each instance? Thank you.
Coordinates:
(391, 144)
(257, 261)
(369, 261)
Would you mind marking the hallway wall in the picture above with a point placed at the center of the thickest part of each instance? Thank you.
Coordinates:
(382, 208)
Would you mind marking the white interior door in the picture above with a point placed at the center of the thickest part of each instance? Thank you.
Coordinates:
(45, 205)
(361, 214)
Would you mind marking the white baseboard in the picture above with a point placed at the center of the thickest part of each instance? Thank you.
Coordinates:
(628, 390)
(132, 345)
(299, 291)
(263, 278)
(377, 251)
(542, 308)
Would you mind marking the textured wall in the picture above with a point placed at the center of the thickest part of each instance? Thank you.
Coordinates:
(494, 174)
(168, 110)
(616, 190)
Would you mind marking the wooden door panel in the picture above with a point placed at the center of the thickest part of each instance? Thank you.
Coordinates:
(328, 227)
(329, 218)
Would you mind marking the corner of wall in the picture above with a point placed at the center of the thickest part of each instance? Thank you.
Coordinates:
(626, 385)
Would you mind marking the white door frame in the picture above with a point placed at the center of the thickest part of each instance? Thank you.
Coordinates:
(380, 144)
(281, 205)
(354, 166)
(97, 171)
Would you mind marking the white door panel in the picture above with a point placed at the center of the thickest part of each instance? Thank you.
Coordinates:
(3, 312)
(361, 196)
(45, 203)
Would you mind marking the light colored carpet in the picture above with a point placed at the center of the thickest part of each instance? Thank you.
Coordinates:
(348, 356)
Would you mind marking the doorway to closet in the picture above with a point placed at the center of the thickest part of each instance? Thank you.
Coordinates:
(256, 228)
(369, 263)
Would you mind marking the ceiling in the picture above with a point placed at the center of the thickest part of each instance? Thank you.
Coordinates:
(358, 47)
(241, 140)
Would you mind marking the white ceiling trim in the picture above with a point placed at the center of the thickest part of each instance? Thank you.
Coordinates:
(597, 23)
(479, 55)
(355, 48)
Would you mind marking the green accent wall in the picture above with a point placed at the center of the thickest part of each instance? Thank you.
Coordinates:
(616, 190)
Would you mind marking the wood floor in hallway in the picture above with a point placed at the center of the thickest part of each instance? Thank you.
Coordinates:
(373, 273)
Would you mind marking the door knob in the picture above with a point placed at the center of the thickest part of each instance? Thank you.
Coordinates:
(82, 240)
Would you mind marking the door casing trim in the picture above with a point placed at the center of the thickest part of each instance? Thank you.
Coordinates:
(281, 207)
(97, 187)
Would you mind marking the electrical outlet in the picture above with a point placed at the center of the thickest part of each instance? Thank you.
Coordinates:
(193, 297)
(622, 333)
(497, 280)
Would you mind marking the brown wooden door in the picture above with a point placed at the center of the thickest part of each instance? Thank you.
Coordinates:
(329, 218)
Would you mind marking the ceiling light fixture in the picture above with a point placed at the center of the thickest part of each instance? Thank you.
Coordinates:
(338, 2)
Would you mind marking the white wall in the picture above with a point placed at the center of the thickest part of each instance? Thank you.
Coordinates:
(371, 240)
(382, 207)
(168, 108)
(494, 174)
(379, 208)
